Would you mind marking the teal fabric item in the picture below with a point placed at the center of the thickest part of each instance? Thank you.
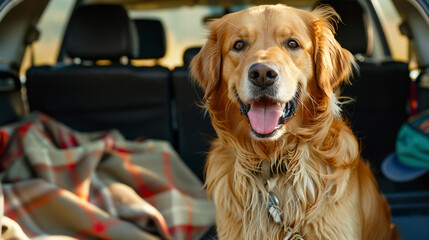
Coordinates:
(412, 143)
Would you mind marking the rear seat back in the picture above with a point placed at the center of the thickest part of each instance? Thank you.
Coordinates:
(194, 128)
(134, 100)
(380, 89)
(380, 94)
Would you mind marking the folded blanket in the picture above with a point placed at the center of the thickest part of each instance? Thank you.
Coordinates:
(57, 181)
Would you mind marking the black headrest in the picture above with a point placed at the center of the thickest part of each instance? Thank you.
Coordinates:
(101, 32)
(189, 55)
(352, 33)
(151, 38)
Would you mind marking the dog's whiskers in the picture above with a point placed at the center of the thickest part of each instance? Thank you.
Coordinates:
(303, 106)
(313, 102)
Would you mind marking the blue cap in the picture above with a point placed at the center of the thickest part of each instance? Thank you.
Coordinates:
(394, 170)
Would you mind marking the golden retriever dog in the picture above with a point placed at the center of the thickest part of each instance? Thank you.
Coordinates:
(285, 165)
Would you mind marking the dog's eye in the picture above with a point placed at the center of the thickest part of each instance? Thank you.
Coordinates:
(239, 45)
(292, 44)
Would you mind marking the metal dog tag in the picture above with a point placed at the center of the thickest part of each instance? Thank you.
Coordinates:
(273, 208)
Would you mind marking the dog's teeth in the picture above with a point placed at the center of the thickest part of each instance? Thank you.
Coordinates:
(286, 110)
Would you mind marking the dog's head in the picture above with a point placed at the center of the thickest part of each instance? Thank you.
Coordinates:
(268, 68)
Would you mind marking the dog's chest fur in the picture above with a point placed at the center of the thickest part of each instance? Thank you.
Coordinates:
(241, 196)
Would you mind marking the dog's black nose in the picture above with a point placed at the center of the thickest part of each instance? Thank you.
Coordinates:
(262, 75)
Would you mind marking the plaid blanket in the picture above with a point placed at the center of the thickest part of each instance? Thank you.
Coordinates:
(59, 182)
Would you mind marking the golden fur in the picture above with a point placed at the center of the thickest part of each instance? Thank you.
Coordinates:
(327, 192)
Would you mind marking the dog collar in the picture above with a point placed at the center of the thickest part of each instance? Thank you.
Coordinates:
(273, 203)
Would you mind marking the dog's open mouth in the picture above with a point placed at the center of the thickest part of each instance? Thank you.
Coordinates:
(266, 115)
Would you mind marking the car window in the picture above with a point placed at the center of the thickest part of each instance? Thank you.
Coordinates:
(183, 26)
(52, 25)
(390, 21)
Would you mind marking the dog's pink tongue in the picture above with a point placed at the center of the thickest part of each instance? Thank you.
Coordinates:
(264, 116)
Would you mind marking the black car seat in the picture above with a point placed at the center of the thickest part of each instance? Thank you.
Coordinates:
(380, 89)
(194, 127)
(90, 97)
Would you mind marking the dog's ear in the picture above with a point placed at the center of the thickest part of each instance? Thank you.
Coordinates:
(206, 65)
(333, 63)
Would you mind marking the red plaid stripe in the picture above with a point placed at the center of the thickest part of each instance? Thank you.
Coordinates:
(167, 170)
(15, 213)
(4, 139)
